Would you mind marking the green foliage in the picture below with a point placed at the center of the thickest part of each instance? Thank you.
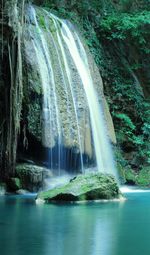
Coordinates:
(126, 22)
(130, 176)
(126, 128)
(42, 21)
(143, 178)
(126, 119)
(126, 25)
(92, 41)
(34, 119)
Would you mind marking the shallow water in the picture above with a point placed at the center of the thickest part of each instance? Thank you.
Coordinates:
(110, 228)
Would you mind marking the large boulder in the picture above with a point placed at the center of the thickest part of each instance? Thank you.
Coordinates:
(91, 186)
(13, 184)
(31, 176)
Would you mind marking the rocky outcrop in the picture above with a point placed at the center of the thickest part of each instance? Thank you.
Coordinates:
(31, 176)
(141, 178)
(91, 186)
(13, 184)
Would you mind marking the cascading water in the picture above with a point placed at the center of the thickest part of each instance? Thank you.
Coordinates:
(74, 128)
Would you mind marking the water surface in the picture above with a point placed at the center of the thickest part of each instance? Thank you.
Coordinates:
(110, 228)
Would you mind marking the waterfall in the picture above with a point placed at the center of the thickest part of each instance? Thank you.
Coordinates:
(74, 125)
(2, 190)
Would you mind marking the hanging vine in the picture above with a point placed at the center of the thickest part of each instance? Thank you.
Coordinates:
(14, 11)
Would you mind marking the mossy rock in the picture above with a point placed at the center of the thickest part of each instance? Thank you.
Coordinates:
(143, 178)
(13, 184)
(31, 176)
(91, 186)
(34, 119)
(130, 176)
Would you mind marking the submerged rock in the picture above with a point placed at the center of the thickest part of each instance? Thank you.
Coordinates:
(91, 186)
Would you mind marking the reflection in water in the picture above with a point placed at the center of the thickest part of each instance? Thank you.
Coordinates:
(71, 229)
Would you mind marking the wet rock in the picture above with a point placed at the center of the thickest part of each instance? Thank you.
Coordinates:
(13, 184)
(31, 176)
(91, 186)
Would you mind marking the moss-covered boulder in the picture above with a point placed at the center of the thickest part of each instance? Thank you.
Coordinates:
(13, 184)
(140, 178)
(130, 176)
(31, 176)
(143, 178)
(91, 186)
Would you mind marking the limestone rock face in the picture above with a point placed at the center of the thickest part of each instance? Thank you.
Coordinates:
(91, 186)
(97, 80)
(67, 115)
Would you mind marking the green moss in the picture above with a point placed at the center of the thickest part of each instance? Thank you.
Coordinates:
(14, 184)
(42, 21)
(31, 176)
(143, 178)
(34, 119)
(130, 176)
(52, 27)
(84, 187)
